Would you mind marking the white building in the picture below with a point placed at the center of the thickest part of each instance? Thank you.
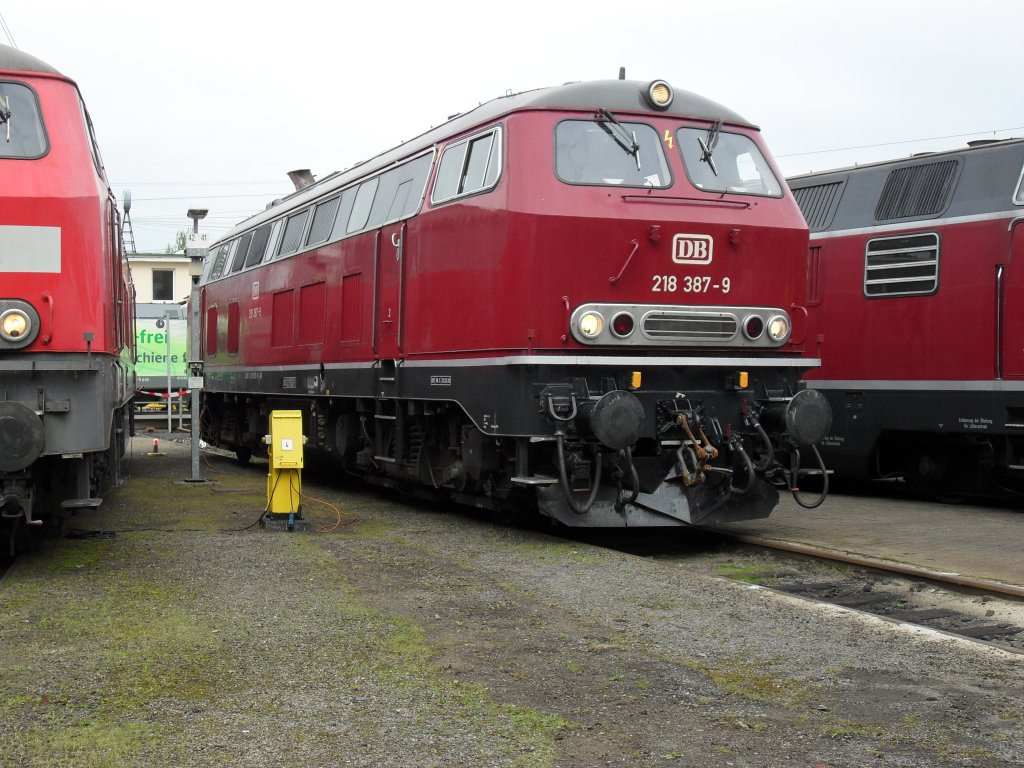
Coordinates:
(160, 277)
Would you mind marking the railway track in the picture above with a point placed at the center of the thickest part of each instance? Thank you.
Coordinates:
(1009, 591)
(979, 610)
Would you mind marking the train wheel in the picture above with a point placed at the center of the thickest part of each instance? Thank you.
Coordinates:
(243, 455)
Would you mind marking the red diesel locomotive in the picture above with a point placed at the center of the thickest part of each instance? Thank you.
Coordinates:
(581, 298)
(66, 302)
(916, 290)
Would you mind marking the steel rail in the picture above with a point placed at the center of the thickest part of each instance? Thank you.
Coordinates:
(1014, 591)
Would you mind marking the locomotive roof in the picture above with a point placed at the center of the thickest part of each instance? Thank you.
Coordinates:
(616, 96)
(816, 176)
(955, 183)
(13, 60)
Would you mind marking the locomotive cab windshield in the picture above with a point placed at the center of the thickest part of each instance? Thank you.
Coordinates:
(606, 151)
(719, 161)
(21, 126)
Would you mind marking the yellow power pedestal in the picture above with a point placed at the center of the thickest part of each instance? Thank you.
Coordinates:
(284, 480)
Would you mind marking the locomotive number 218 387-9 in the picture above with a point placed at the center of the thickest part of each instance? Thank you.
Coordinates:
(689, 284)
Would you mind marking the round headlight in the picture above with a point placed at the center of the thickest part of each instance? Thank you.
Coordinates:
(623, 324)
(753, 327)
(659, 94)
(778, 328)
(591, 324)
(14, 324)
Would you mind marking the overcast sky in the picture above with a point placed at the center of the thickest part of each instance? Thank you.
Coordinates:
(210, 103)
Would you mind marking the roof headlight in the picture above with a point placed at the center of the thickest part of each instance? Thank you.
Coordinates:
(591, 324)
(778, 328)
(659, 94)
(15, 325)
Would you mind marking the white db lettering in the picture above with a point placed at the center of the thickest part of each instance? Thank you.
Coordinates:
(692, 249)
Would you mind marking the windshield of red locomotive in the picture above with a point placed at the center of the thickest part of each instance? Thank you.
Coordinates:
(21, 126)
(717, 161)
(607, 152)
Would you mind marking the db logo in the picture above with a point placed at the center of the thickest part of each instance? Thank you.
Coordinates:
(692, 249)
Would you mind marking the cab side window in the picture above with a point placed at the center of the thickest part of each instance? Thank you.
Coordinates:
(469, 166)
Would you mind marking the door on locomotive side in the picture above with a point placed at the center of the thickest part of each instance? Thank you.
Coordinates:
(1012, 308)
(391, 259)
(396, 197)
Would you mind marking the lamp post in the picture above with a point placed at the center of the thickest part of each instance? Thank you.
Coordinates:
(196, 250)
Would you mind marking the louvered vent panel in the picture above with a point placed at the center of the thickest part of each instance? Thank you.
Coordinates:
(814, 275)
(818, 203)
(312, 306)
(902, 266)
(918, 190)
(282, 323)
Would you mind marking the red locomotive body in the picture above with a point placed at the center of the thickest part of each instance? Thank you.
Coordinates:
(66, 301)
(583, 295)
(916, 289)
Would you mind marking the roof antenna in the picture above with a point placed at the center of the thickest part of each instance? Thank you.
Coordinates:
(622, 73)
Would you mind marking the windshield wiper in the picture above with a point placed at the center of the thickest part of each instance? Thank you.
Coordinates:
(622, 137)
(5, 115)
(708, 144)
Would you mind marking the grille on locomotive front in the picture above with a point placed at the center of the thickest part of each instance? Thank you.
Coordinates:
(689, 326)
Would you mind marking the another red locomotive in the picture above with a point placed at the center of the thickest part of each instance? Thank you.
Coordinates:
(584, 296)
(916, 288)
(66, 301)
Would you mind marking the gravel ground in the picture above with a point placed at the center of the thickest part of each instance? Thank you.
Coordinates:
(414, 635)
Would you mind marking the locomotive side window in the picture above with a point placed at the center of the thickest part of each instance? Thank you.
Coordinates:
(22, 134)
(211, 262)
(361, 207)
(607, 152)
(91, 131)
(323, 221)
(241, 251)
(905, 265)
(468, 166)
(222, 259)
(258, 246)
(293, 233)
(275, 233)
(718, 161)
(1018, 196)
(348, 197)
(400, 192)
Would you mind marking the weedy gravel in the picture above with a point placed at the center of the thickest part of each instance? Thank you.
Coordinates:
(175, 633)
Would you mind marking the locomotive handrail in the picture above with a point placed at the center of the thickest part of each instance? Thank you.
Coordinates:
(671, 200)
(636, 247)
(376, 290)
(399, 255)
(48, 337)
